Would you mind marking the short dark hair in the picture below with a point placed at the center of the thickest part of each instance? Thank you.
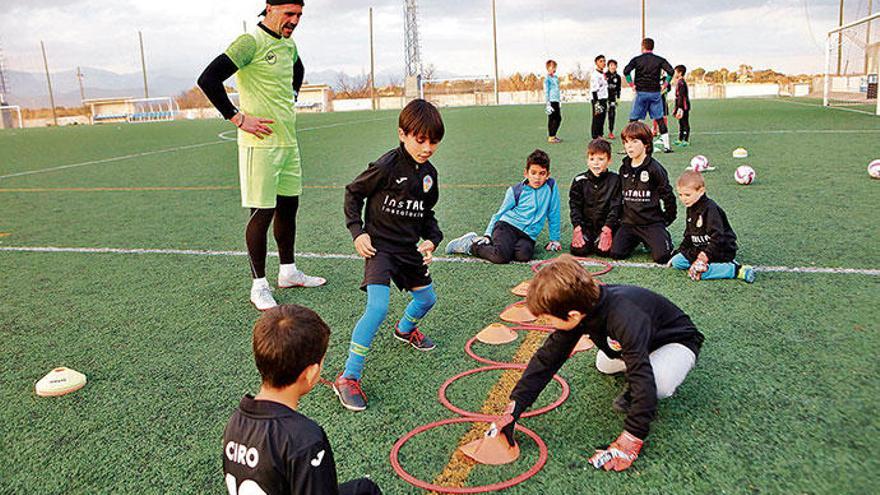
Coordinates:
(648, 44)
(551, 62)
(681, 68)
(539, 158)
(599, 145)
(287, 340)
(421, 118)
(562, 286)
(598, 57)
(301, 3)
(612, 61)
(638, 130)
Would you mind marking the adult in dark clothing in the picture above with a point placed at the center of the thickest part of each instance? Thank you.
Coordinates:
(648, 68)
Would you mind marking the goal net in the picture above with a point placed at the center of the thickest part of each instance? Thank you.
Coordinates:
(852, 66)
(459, 91)
(10, 117)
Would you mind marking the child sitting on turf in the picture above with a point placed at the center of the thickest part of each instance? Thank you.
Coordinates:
(594, 202)
(400, 191)
(268, 446)
(516, 225)
(635, 330)
(682, 106)
(553, 99)
(708, 248)
(644, 185)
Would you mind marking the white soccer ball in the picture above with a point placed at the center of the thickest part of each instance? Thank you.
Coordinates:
(740, 153)
(744, 175)
(699, 163)
(874, 169)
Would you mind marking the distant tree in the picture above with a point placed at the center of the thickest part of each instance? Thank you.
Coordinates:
(195, 98)
(429, 71)
(697, 74)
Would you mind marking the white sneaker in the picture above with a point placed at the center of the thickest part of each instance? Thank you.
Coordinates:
(261, 297)
(299, 279)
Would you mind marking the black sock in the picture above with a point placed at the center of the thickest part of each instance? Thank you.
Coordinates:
(255, 236)
(285, 227)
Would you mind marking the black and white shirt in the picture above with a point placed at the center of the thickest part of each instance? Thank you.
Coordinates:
(643, 189)
(594, 201)
(708, 230)
(598, 85)
(270, 448)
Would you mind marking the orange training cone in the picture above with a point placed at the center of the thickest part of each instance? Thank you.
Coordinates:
(517, 313)
(584, 344)
(491, 450)
(496, 334)
(521, 290)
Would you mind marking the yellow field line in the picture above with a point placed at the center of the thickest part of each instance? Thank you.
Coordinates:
(459, 466)
(199, 188)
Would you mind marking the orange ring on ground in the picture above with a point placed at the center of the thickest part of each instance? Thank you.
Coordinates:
(608, 266)
(441, 394)
(395, 462)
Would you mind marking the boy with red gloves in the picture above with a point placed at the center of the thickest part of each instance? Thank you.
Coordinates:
(636, 331)
(594, 201)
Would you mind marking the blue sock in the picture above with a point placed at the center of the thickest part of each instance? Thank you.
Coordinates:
(720, 270)
(365, 330)
(679, 262)
(422, 302)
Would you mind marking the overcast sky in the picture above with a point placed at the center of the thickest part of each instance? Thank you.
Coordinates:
(182, 36)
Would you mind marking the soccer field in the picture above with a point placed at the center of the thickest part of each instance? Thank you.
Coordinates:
(122, 256)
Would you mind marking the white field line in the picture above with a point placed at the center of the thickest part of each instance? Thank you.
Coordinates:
(805, 104)
(221, 136)
(792, 131)
(441, 259)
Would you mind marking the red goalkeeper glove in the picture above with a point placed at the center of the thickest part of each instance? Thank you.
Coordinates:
(577, 237)
(699, 266)
(619, 455)
(605, 239)
(505, 424)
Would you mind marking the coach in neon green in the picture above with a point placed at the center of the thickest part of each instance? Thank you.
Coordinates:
(268, 73)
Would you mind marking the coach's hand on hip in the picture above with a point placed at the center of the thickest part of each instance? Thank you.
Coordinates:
(252, 125)
(364, 246)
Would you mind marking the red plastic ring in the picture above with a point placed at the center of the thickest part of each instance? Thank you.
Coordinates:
(441, 394)
(608, 266)
(395, 462)
(468, 349)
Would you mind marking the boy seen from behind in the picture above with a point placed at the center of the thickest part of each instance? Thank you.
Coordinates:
(269, 447)
(513, 230)
(594, 202)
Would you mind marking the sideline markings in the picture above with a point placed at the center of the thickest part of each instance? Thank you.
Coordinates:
(205, 188)
(805, 104)
(442, 259)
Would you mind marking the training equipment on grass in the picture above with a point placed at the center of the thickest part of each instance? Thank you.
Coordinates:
(395, 461)
(496, 334)
(584, 344)
(491, 449)
(700, 163)
(469, 350)
(744, 175)
(874, 169)
(584, 261)
(740, 153)
(521, 290)
(518, 313)
(441, 394)
(60, 381)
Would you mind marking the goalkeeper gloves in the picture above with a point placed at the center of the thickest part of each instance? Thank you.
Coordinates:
(699, 266)
(482, 240)
(605, 239)
(548, 109)
(553, 246)
(506, 423)
(619, 455)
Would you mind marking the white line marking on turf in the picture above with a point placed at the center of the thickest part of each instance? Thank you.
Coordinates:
(803, 103)
(224, 135)
(793, 131)
(441, 259)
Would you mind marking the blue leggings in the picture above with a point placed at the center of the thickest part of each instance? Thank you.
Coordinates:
(716, 270)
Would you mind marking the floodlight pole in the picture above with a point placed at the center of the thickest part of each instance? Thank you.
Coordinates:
(82, 91)
(643, 22)
(143, 65)
(244, 26)
(372, 65)
(495, 48)
(49, 83)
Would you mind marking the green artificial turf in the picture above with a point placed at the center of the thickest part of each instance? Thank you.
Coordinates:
(783, 398)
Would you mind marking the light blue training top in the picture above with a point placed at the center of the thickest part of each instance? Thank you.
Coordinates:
(535, 206)
(551, 88)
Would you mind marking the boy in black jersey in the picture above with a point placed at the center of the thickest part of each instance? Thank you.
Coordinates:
(400, 190)
(268, 447)
(644, 185)
(594, 202)
(636, 331)
(708, 248)
(614, 86)
(682, 106)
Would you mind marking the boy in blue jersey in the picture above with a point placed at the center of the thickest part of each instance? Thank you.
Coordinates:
(553, 108)
(512, 231)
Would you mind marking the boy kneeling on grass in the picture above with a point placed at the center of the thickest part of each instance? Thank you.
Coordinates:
(519, 220)
(636, 331)
(268, 447)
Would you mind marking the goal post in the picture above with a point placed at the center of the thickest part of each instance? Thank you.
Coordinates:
(852, 66)
(459, 91)
(10, 117)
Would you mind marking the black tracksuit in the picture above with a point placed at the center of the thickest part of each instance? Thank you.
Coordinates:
(644, 187)
(683, 102)
(594, 202)
(648, 67)
(283, 452)
(400, 195)
(614, 87)
(708, 230)
(627, 323)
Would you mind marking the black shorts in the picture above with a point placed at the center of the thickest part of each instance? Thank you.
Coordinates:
(407, 269)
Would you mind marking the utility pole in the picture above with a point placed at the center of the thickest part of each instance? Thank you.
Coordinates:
(244, 26)
(143, 65)
(840, 39)
(49, 83)
(372, 65)
(495, 48)
(644, 34)
(82, 91)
